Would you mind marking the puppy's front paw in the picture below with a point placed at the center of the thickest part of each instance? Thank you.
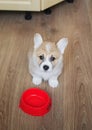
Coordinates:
(37, 80)
(53, 83)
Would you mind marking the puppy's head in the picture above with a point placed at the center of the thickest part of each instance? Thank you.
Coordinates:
(48, 54)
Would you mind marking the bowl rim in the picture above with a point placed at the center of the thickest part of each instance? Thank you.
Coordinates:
(47, 103)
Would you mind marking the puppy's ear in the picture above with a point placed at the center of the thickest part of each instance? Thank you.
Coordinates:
(62, 44)
(37, 40)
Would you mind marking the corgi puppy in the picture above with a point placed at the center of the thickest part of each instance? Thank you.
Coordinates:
(46, 62)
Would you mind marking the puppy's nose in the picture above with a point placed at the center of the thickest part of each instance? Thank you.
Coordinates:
(45, 67)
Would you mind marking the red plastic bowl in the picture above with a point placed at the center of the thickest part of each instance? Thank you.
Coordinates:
(35, 102)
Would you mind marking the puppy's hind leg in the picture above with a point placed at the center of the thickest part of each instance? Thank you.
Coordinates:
(37, 80)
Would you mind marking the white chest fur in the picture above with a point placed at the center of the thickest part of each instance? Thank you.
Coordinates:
(35, 70)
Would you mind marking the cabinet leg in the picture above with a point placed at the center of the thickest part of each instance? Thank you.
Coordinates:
(28, 15)
(48, 11)
(70, 1)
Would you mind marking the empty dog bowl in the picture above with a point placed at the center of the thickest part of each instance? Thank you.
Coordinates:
(35, 102)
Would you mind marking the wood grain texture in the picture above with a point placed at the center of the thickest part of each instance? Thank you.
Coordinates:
(72, 100)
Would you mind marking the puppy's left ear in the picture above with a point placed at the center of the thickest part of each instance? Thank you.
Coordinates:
(62, 44)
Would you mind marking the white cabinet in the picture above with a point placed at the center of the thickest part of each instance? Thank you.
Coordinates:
(20, 5)
(27, 5)
(48, 3)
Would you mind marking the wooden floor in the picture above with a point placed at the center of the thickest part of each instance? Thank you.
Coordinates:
(72, 100)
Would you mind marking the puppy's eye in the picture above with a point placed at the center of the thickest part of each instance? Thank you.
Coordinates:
(52, 58)
(41, 57)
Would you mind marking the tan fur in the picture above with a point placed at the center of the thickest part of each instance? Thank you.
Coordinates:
(42, 50)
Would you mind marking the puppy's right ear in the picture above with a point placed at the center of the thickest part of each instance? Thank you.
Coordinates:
(37, 40)
(62, 44)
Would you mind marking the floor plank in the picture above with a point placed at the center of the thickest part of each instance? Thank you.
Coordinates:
(72, 100)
